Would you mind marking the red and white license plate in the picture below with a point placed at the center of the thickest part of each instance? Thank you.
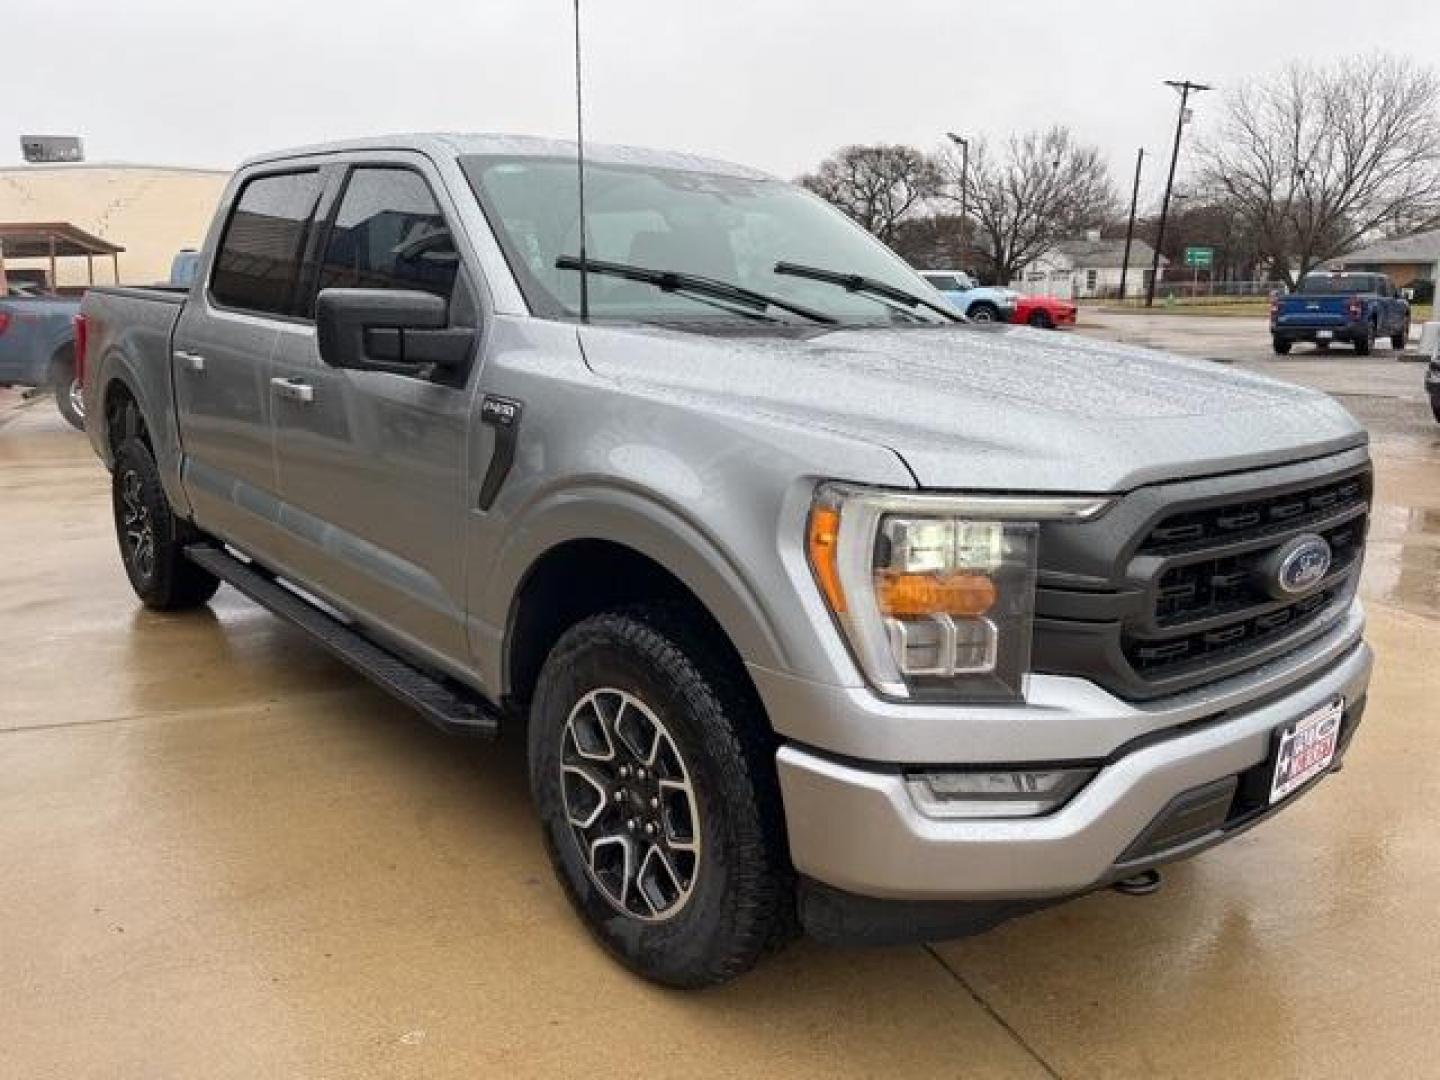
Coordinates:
(1307, 747)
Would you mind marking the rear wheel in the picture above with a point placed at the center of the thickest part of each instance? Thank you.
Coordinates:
(152, 539)
(984, 311)
(1040, 320)
(1281, 345)
(1402, 339)
(1365, 344)
(68, 397)
(653, 774)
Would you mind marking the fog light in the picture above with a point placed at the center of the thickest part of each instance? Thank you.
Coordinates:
(1003, 793)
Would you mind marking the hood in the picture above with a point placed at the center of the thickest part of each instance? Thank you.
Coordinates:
(997, 408)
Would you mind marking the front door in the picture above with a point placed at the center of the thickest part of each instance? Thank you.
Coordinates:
(222, 348)
(372, 465)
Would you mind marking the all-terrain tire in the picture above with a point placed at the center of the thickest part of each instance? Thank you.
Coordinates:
(741, 898)
(1281, 345)
(152, 538)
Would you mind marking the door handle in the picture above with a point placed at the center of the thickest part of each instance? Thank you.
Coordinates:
(190, 361)
(294, 389)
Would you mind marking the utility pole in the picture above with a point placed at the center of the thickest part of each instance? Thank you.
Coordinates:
(1130, 228)
(1186, 88)
(964, 145)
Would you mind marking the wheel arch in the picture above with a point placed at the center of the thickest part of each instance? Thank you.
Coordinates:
(586, 555)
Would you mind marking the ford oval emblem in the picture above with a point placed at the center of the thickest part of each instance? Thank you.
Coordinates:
(1301, 565)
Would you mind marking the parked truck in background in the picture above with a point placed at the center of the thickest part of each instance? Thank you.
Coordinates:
(37, 348)
(1337, 307)
(816, 606)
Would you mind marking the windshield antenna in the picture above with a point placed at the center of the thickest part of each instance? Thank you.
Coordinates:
(580, 172)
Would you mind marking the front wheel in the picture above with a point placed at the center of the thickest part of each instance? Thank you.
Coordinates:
(653, 775)
(68, 397)
(152, 539)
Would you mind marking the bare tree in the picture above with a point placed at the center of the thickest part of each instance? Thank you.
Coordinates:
(879, 186)
(1044, 188)
(1318, 159)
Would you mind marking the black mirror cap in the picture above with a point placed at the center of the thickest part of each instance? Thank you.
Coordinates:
(343, 317)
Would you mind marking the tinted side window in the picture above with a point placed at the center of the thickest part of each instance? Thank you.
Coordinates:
(259, 258)
(389, 234)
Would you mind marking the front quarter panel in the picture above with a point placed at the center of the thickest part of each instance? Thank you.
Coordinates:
(718, 500)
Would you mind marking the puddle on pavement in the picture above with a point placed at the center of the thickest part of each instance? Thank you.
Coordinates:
(1402, 562)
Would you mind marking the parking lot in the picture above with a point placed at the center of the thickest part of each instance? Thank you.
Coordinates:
(224, 855)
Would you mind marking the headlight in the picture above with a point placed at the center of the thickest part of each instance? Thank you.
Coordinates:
(935, 594)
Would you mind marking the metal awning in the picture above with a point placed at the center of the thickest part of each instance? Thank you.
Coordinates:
(53, 240)
(42, 239)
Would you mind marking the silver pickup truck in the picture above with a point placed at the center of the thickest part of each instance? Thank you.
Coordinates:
(817, 606)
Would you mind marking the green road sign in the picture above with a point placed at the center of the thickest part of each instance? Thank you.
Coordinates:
(1200, 258)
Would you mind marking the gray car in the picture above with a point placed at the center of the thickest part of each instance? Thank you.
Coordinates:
(818, 607)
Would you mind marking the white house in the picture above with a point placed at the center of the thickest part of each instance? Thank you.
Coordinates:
(1088, 269)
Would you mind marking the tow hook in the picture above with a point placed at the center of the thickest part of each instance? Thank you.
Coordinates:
(1142, 884)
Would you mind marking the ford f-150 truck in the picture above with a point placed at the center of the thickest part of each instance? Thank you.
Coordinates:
(817, 606)
(1330, 307)
(37, 348)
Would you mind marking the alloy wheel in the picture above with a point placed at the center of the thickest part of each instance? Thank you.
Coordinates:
(137, 524)
(630, 805)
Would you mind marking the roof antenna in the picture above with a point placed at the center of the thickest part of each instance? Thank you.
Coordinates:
(580, 172)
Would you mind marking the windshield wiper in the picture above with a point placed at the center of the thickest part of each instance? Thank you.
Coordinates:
(679, 282)
(858, 283)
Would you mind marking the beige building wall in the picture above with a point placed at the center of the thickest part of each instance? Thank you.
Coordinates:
(152, 212)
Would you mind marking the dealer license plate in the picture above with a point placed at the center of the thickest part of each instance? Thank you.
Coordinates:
(1307, 747)
(1324, 335)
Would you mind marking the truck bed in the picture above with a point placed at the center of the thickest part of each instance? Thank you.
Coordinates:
(129, 338)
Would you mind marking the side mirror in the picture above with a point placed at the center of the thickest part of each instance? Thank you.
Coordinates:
(401, 331)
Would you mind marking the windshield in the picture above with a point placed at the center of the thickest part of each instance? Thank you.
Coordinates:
(1337, 284)
(729, 229)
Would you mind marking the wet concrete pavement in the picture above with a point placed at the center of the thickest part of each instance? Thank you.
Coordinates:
(223, 855)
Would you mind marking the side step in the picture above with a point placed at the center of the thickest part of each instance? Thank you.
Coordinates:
(435, 700)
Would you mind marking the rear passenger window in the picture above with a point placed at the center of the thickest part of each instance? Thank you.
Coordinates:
(259, 258)
(389, 234)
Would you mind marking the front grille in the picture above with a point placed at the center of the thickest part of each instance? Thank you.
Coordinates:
(1172, 591)
(1283, 515)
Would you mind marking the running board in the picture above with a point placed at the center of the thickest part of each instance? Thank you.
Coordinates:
(435, 700)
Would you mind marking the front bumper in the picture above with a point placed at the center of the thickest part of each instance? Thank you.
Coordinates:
(854, 827)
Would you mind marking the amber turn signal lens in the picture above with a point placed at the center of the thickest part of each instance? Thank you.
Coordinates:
(913, 595)
(822, 542)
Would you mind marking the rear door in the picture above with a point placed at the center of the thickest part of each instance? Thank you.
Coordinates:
(372, 465)
(221, 355)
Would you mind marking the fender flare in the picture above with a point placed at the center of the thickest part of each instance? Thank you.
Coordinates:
(646, 525)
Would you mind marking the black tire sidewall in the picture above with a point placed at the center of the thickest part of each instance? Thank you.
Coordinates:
(64, 376)
(698, 945)
(174, 581)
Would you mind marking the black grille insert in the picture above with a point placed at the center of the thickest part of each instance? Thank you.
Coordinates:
(1281, 514)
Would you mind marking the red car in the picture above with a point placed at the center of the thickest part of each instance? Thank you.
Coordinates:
(1045, 312)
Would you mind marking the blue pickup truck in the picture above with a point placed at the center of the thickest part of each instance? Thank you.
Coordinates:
(1330, 307)
(37, 348)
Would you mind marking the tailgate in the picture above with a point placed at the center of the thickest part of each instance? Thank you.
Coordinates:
(1313, 311)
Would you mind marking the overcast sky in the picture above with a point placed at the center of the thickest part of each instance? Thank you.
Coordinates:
(771, 83)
